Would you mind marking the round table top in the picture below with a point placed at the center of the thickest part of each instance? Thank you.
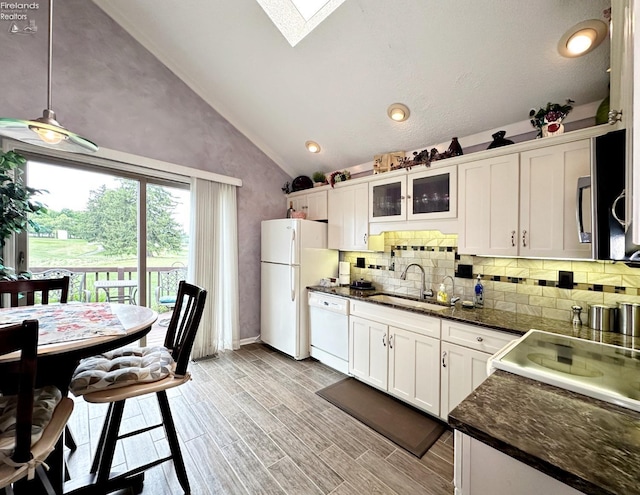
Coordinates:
(134, 323)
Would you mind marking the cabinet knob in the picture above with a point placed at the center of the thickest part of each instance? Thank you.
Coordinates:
(614, 116)
(408, 196)
(402, 197)
(479, 339)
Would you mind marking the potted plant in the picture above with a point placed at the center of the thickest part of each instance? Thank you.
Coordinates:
(319, 179)
(16, 203)
(548, 120)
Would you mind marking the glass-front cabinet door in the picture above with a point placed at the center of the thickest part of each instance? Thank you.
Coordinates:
(387, 199)
(432, 194)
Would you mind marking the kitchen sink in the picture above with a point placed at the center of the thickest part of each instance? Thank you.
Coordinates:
(410, 303)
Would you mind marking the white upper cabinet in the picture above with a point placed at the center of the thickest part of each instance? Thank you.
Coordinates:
(314, 204)
(548, 183)
(489, 202)
(348, 225)
(388, 199)
(433, 194)
(524, 204)
(425, 195)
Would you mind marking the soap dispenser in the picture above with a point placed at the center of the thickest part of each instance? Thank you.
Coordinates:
(479, 292)
(442, 294)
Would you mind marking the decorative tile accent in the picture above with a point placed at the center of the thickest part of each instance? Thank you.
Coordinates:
(524, 286)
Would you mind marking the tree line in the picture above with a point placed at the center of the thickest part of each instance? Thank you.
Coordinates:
(110, 220)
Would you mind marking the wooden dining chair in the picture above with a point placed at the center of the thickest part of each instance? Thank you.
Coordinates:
(26, 290)
(23, 292)
(108, 378)
(32, 421)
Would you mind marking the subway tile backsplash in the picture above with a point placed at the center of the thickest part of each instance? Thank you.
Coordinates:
(526, 286)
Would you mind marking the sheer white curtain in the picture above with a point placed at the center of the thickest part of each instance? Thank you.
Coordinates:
(213, 264)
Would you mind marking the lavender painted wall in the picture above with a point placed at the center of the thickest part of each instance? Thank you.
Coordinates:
(109, 88)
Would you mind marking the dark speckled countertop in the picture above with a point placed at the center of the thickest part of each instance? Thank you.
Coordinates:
(586, 443)
(499, 320)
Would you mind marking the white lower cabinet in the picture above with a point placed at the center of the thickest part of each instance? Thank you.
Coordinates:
(481, 470)
(462, 370)
(403, 361)
(368, 351)
(413, 368)
(465, 350)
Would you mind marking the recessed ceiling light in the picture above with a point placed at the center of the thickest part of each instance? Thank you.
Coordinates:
(312, 146)
(398, 112)
(582, 38)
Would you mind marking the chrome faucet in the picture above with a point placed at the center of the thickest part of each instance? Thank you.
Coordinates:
(453, 299)
(424, 293)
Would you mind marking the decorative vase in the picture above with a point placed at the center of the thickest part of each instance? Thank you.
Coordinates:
(499, 140)
(552, 128)
(454, 148)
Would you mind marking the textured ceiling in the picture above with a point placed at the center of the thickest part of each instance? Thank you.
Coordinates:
(462, 67)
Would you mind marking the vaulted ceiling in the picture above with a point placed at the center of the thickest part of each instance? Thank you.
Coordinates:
(461, 66)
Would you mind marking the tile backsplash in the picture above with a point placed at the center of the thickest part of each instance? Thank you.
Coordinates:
(519, 285)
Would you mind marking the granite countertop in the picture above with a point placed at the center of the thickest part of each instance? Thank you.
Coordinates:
(586, 443)
(491, 318)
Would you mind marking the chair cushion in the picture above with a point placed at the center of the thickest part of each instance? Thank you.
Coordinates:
(45, 401)
(120, 368)
(167, 300)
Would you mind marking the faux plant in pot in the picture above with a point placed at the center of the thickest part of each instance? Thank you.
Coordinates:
(319, 179)
(16, 201)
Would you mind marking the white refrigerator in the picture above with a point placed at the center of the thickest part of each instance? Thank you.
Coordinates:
(293, 256)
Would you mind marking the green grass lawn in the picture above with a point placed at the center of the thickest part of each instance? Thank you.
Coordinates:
(77, 252)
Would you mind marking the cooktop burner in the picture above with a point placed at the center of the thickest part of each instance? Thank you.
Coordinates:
(602, 371)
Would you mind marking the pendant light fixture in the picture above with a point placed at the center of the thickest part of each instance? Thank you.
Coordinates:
(46, 131)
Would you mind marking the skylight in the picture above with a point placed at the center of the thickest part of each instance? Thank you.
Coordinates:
(297, 18)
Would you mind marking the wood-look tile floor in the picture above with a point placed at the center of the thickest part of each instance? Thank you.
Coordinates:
(250, 422)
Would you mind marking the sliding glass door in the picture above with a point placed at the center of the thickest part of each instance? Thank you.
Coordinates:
(114, 232)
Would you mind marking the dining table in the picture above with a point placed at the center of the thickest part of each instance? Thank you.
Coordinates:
(68, 333)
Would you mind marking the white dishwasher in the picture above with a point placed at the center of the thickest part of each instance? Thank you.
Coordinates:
(329, 330)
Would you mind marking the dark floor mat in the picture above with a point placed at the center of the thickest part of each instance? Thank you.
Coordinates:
(405, 426)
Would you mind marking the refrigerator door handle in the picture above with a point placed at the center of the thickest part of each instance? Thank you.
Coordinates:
(583, 183)
(292, 282)
(292, 246)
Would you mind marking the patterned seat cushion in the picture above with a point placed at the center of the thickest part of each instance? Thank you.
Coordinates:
(45, 401)
(120, 368)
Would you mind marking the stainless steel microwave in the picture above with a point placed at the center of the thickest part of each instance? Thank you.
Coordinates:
(604, 190)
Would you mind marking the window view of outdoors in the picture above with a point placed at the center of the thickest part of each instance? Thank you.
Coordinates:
(90, 230)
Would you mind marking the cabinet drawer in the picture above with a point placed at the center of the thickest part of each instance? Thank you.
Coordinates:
(422, 324)
(479, 338)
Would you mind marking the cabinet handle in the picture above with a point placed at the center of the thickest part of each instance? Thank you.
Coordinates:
(390, 341)
(384, 340)
(479, 339)
(408, 196)
(524, 238)
(444, 355)
(401, 197)
(365, 238)
(513, 238)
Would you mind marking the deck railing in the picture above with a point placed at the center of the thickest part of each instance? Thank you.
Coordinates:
(95, 273)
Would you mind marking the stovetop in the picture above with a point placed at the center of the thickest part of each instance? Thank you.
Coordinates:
(602, 371)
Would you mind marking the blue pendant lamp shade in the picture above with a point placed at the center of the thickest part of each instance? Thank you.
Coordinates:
(46, 131)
